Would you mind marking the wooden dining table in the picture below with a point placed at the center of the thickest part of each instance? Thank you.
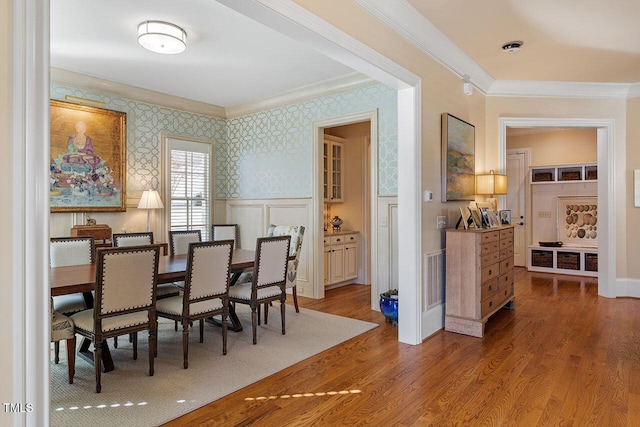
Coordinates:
(81, 278)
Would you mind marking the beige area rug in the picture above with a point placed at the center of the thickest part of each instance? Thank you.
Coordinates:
(130, 397)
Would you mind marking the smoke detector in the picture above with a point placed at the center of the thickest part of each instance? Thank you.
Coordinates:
(513, 46)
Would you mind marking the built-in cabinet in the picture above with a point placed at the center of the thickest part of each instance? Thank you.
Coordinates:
(479, 277)
(333, 149)
(565, 223)
(340, 257)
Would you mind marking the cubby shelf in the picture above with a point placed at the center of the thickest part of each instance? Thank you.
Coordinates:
(579, 172)
(574, 260)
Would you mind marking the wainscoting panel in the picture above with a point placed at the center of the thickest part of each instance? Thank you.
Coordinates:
(254, 217)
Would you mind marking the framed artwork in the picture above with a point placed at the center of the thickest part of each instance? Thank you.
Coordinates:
(465, 218)
(505, 217)
(492, 218)
(578, 221)
(87, 159)
(458, 159)
(477, 221)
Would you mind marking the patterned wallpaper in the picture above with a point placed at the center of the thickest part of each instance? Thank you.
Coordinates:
(270, 152)
(262, 155)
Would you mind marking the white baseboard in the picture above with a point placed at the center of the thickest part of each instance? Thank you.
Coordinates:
(627, 288)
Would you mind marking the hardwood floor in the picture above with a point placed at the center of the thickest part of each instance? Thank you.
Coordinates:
(564, 356)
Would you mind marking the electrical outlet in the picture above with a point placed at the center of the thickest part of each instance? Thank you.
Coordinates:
(544, 214)
(441, 222)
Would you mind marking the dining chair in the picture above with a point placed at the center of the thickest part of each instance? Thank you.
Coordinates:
(179, 240)
(62, 329)
(268, 280)
(163, 290)
(206, 291)
(125, 300)
(225, 232)
(297, 234)
(68, 251)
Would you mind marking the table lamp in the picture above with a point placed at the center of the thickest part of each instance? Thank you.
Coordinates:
(150, 200)
(491, 184)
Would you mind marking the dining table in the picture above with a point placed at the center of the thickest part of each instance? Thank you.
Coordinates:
(81, 279)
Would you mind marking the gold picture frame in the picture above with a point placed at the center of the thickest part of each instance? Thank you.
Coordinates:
(87, 149)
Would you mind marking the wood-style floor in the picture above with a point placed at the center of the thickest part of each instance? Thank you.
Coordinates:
(563, 357)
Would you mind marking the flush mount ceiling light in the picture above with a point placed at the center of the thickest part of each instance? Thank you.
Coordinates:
(162, 37)
(513, 46)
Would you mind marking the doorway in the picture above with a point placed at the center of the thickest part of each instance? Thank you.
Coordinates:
(605, 163)
(354, 207)
(358, 205)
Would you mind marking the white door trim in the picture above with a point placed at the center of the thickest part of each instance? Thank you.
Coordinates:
(606, 188)
(318, 200)
(296, 22)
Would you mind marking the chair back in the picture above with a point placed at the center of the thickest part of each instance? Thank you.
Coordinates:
(207, 275)
(132, 239)
(179, 240)
(270, 267)
(225, 232)
(126, 281)
(65, 251)
(297, 234)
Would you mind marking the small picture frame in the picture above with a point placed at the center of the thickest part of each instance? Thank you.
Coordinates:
(492, 218)
(477, 221)
(505, 217)
(465, 218)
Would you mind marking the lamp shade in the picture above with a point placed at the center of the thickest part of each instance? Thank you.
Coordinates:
(491, 184)
(162, 37)
(150, 200)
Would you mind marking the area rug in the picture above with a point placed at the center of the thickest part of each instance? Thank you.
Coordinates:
(130, 397)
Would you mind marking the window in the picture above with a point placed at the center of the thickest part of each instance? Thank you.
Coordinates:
(189, 186)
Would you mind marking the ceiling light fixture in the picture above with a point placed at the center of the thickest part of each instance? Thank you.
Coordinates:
(162, 37)
(513, 46)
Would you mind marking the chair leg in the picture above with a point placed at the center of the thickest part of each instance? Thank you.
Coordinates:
(282, 311)
(254, 322)
(71, 358)
(115, 342)
(153, 346)
(175, 325)
(259, 323)
(224, 334)
(185, 344)
(56, 351)
(295, 298)
(135, 346)
(201, 330)
(97, 362)
(266, 312)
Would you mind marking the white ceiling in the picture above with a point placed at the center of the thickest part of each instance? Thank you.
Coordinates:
(232, 60)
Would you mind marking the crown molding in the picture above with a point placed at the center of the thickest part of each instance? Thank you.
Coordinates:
(409, 23)
(301, 94)
(634, 91)
(412, 25)
(559, 89)
(134, 93)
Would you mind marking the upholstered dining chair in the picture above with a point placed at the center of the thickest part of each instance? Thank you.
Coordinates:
(163, 290)
(206, 291)
(297, 234)
(225, 232)
(62, 329)
(125, 300)
(67, 251)
(179, 240)
(268, 280)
